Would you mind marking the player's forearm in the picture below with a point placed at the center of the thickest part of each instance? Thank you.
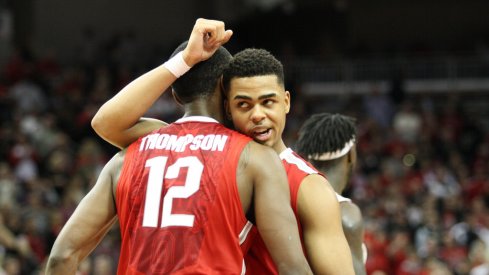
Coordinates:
(124, 110)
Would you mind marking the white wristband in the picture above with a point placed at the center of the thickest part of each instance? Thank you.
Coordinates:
(176, 65)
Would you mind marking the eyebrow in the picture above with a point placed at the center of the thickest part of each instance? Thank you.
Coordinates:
(270, 95)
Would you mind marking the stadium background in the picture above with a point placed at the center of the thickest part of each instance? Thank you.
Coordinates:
(415, 74)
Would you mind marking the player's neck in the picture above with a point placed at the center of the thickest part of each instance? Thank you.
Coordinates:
(279, 147)
(203, 108)
(337, 177)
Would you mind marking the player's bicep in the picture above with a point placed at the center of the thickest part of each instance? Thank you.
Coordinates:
(271, 189)
(327, 249)
(319, 215)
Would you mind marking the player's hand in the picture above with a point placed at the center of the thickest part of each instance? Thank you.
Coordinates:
(206, 37)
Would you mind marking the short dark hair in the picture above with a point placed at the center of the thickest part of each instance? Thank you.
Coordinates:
(325, 133)
(201, 80)
(253, 62)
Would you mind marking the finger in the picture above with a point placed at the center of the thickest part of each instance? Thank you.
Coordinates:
(217, 29)
(220, 29)
(211, 34)
(227, 36)
(206, 28)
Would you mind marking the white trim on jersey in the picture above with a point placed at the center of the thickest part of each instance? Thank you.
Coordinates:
(242, 237)
(341, 198)
(288, 156)
(196, 119)
(243, 269)
(244, 232)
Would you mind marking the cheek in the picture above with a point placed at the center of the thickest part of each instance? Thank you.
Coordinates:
(239, 121)
(279, 116)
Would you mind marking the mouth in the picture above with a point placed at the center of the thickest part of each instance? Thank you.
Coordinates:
(261, 135)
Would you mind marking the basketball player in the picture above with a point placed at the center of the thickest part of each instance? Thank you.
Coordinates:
(328, 142)
(257, 104)
(181, 192)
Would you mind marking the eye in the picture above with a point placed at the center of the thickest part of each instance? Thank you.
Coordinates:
(268, 102)
(243, 104)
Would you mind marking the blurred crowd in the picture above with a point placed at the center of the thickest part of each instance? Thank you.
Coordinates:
(422, 179)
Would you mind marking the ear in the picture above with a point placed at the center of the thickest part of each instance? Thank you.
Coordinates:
(287, 102)
(175, 96)
(352, 156)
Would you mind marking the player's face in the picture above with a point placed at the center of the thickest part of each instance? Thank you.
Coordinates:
(258, 106)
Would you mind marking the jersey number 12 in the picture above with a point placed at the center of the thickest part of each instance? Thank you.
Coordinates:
(158, 172)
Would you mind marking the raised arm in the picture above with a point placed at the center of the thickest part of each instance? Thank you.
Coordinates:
(91, 220)
(319, 212)
(117, 120)
(353, 227)
(274, 216)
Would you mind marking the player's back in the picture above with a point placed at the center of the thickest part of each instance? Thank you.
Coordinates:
(178, 201)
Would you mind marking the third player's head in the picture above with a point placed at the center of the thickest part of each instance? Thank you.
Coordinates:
(256, 99)
(328, 141)
(201, 81)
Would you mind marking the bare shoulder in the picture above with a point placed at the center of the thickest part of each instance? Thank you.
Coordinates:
(262, 150)
(258, 156)
(315, 185)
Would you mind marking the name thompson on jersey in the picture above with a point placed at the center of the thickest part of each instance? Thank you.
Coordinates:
(180, 143)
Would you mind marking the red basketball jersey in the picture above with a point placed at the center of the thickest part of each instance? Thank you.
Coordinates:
(178, 202)
(258, 260)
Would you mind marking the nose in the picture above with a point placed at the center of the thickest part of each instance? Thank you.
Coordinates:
(257, 114)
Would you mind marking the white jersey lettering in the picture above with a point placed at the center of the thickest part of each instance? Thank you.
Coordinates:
(181, 143)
